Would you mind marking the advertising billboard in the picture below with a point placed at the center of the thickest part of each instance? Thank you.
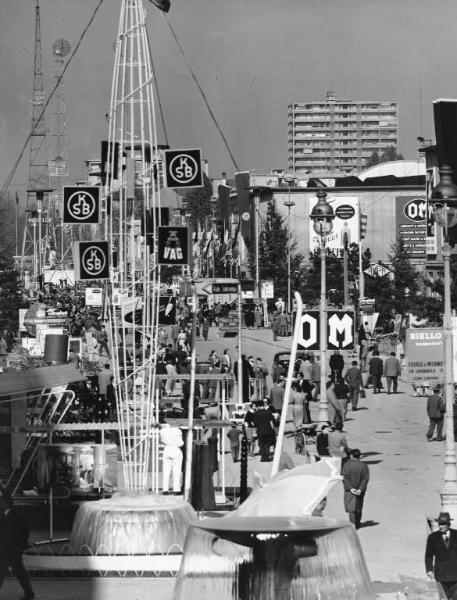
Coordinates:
(411, 218)
(425, 356)
(347, 220)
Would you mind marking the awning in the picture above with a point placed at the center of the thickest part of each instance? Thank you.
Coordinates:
(22, 382)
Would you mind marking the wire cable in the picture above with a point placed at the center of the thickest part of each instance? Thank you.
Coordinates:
(59, 79)
(203, 95)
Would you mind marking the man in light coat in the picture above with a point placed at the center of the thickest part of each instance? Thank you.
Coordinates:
(392, 369)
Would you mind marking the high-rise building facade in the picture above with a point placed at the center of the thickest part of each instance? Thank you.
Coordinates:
(339, 135)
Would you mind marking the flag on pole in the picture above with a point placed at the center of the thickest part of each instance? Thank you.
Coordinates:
(17, 199)
(363, 226)
(163, 5)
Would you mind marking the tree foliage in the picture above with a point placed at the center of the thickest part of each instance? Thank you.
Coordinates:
(274, 252)
(311, 283)
(199, 205)
(399, 292)
(387, 155)
(10, 285)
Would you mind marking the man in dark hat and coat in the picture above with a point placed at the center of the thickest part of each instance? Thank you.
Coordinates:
(355, 481)
(441, 556)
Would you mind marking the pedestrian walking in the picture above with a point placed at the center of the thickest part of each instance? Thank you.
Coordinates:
(337, 443)
(342, 394)
(316, 378)
(275, 327)
(102, 338)
(234, 435)
(277, 394)
(249, 428)
(264, 423)
(171, 438)
(376, 367)
(335, 410)
(355, 481)
(354, 380)
(322, 442)
(14, 536)
(104, 379)
(392, 369)
(261, 374)
(435, 411)
(226, 362)
(336, 364)
(441, 556)
(297, 402)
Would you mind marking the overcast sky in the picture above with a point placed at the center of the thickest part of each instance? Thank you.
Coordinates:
(252, 58)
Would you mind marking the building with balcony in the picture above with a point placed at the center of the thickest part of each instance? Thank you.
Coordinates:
(339, 135)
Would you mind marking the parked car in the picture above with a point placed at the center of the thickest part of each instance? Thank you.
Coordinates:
(283, 358)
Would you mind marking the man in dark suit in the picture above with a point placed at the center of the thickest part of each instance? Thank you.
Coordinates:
(264, 424)
(376, 371)
(435, 412)
(441, 556)
(14, 535)
(355, 481)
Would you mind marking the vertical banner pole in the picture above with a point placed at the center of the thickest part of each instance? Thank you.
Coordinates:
(290, 374)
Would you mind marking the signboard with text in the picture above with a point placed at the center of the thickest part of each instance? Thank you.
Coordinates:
(173, 245)
(425, 356)
(340, 330)
(411, 217)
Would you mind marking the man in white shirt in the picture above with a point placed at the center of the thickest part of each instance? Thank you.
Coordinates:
(171, 438)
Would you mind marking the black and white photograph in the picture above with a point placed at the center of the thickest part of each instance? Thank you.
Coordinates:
(226, 227)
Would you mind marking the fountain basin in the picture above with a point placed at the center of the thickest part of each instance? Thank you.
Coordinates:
(131, 523)
(140, 533)
(273, 558)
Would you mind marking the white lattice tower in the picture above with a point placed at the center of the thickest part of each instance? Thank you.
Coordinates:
(38, 179)
(59, 237)
(132, 196)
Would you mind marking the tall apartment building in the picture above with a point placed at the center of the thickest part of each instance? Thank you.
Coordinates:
(339, 135)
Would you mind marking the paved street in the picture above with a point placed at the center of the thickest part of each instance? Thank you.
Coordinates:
(406, 475)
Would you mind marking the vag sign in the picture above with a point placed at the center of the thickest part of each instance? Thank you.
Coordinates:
(340, 330)
(416, 210)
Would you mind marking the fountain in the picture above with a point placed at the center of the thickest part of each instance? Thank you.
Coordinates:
(133, 524)
(273, 558)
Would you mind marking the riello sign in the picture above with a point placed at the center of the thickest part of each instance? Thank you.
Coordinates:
(340, 330)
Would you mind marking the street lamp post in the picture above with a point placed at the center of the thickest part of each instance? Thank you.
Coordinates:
(322, 216)
(444, 201)
(289, 205)
(213, 233)
(345, 264)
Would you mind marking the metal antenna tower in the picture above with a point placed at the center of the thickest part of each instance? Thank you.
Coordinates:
(38, 181)
(58, 243)
(132, 199)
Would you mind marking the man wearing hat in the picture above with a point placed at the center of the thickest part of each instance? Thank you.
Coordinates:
(441, 556)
